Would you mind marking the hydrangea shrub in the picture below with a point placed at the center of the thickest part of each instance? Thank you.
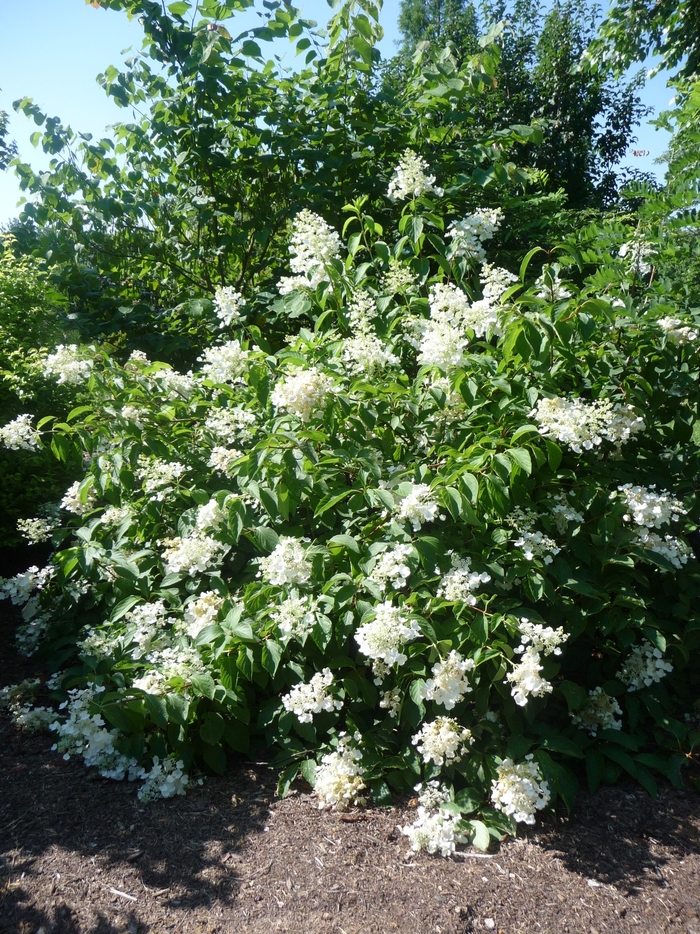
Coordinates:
(435, 539)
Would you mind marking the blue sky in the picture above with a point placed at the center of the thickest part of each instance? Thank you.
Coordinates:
(53, 50)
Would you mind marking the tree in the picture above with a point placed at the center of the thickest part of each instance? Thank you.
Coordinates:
(589, 120)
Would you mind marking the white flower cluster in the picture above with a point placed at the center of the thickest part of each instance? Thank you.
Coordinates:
(79, 501)
(644, 667)
(115, 515)
(313, 245)
(36, 530)
(448, 684)
(598, 713)
(134, 414)
(165, 780)
(495, 281)
(398, 278)
(223, 460)
(381, 638)
(99, 643)
(210, 516)
(432, 794)
(364, 350)
(225, 364)
(391, 568)
(540, 638)
(296, 616)
(20, 435)
(460, 581)
(20, 588)
(304, 700)
(519, 790)
(145, 624)
(434, 833)
(550, 287)
(648, 508)
(158, 477)
(419, 506)
(339, 779)
(531, 541)
(84, 734)
(442, 739)
(583, 425)
(174, 385)
(287, 564)
(229, 424)
(525, 677)
(391, 702)
(227, 302)
(192, 555)
(675, 550)
(69, 364)
(169, 664)
(302, 392)
(677, 332)
(19, 700)
(469, 234)
(410, 179)
(637, 252)
(564, 513)
(202, 612)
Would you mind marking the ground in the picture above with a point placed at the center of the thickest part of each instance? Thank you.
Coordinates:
(81, 855)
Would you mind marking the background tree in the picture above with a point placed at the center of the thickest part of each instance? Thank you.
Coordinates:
(589, 119)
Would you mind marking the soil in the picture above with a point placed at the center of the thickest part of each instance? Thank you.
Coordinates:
(80, 855)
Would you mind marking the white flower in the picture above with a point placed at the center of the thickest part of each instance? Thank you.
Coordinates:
(115, 515)
(673, 549)
(227, 303)
(20, 435)
(677, 332)
(230, 424)
(398, 278)
(287, 564)
(644, 667)
(158, 477)
(302, 392)
(78, 500)
(173, 384)
(296, 616)
(598, 713)
(339, 779)
(391, 568)
(69, 364)
(210, 516)
(36, 530)
(391, 702)
(225, 364)
(495, 281)
(469, 234)
(19, 589)
(520, 790)
(442, 739)
(459, 582)
(583, 425)
(165, 780)
(432, 794)
(540, 638)
(223, 459)
(531, 541)
(312, 247)
(202, 612)
(442, 346)
(432, 832)
(419, 506)
(526, 678)
(649, 508)
(192, 555)
(304, 700)
(637, 252)
(382, 637)
(448, 684)
(410, 179)
(563, 513)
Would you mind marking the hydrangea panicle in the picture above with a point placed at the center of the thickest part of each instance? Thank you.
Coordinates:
(410, 179)
(519, 790)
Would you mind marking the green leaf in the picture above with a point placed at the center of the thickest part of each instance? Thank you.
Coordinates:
(468, 800)
(345, 541)
(286, 778)
(481, 838)
(521, 458)
(212, 729)
(215, 758)
(204, 685)
(271, 656)
(308, 770)
(157, 709)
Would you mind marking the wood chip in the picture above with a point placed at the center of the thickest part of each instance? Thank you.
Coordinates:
(132, 898)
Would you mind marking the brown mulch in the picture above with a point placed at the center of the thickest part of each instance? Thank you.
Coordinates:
(80, 855)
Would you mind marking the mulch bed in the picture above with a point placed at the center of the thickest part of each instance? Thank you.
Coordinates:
(80, 855)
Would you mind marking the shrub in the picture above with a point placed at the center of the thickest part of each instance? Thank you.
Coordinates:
(435, 539)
